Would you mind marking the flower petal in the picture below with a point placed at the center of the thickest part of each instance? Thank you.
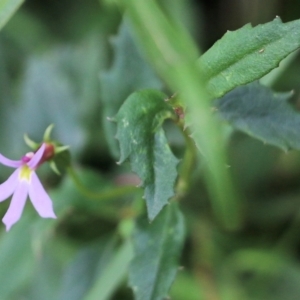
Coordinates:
(10, 163)
(40, 199)
(37, 157)
(16, 205)
(8, 187)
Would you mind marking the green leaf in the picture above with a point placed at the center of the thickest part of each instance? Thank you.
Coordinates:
(128, 73)
(112, 274)
(173, 53)
(186, 287)
(7, 9)
(157, 248)
(7, 109)
(81, 273)
(247, 54)
(143, 141)
(50, 95)
(16, 257)
(259, 112)
(47, 277)
(28, 33)
(274, 275)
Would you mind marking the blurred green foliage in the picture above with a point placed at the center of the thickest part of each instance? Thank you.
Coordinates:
(58, 65)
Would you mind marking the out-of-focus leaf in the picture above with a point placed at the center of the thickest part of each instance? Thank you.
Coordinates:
(157, 248)
(7, 9)
(82, 271)
(259, 112)
(60, 87)
(271, 275)
(187, 13)
(186, 287)
(128, 73)
(143, 141)
(6, 111)
(46, 279)
(247, 54)
(81, 65)
(48, 96)
(111, 275)
(27, 33)
(16, 258)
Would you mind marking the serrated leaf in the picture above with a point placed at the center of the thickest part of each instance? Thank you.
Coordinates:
(128, 73)
(157, 248)
(259, 112)
(143, 141)
(247, 54)
(173, 53)
(7, 9)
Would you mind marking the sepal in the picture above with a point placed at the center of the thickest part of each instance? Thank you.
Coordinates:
(56, 154)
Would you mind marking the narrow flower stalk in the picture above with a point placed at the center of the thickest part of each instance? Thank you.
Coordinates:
(23, 182)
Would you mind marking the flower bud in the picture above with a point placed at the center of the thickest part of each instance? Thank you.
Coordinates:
(57, 155)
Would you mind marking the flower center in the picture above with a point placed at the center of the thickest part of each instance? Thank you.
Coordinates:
(28, 156)
(25, 173)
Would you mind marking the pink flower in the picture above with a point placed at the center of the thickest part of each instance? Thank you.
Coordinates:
(24, 182)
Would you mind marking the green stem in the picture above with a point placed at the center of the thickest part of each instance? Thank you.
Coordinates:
(174, 54)
(187, 165)
(203, 258)
(105, 195)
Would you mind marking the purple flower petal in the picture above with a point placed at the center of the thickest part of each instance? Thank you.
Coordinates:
(10, 163)
(16, 205)
(37, 157)
(40, 199)
(8, 187)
